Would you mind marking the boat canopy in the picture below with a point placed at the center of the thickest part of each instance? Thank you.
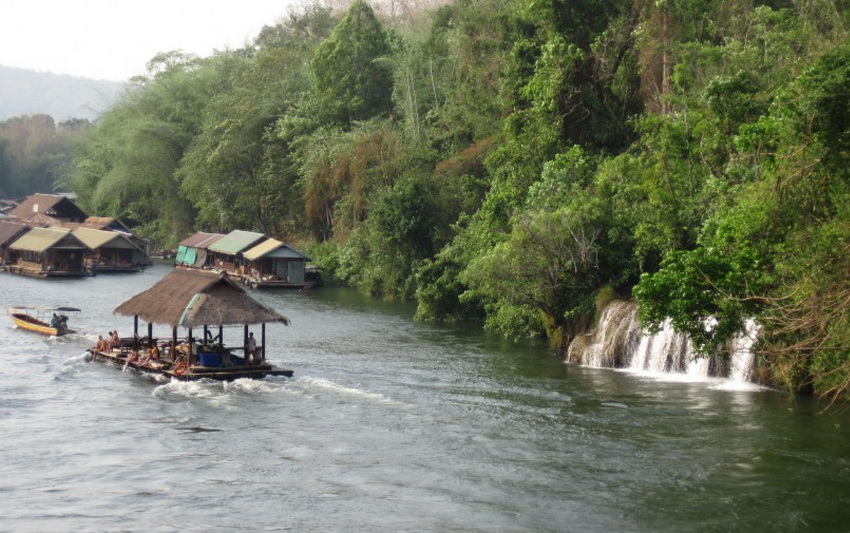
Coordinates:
(191, 298)
(40, 308)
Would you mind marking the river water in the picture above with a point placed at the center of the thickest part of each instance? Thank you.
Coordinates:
(392, 425)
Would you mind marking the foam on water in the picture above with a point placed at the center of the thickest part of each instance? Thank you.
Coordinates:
(620, 342)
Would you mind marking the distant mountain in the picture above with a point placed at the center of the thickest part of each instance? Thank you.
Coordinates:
(63, 97)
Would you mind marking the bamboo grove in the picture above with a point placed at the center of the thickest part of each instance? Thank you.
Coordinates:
(522, 162)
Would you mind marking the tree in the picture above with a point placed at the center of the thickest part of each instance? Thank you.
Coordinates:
(35, 154)
(352, 83)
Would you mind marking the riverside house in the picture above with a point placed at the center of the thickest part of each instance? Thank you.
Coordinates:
(275, 264)
(226, 253)
(194, 251)
(48, 252)
(10, 231)
(110, 251)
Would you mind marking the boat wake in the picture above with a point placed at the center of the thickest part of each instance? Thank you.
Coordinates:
(322, 384)
(220, 393)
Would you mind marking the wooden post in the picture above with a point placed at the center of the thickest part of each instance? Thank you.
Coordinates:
(263, 329)
(245, 343)
(150, 334)
(174, 343)
(135, 332)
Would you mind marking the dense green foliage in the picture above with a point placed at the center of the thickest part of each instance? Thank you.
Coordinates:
(513, 160)
(36, 154)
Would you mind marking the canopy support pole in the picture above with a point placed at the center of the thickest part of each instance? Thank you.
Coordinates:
(173, 343)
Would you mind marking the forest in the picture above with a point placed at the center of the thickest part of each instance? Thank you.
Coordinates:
(522, 163)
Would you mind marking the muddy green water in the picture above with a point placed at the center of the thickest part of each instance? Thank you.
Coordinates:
(391, 425)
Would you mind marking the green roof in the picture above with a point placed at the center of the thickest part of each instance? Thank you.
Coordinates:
(236, 241)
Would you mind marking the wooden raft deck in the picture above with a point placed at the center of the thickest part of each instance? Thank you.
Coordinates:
(167, 367)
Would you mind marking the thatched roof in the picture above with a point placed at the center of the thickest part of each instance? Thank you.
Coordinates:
(192, 298)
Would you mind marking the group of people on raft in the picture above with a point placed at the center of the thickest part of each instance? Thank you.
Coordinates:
(105, 345)
(149, 355)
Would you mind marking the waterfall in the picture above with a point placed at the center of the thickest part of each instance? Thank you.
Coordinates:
(741, 361)
(619, 342)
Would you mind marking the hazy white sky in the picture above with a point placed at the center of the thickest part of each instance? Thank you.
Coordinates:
(114, 39)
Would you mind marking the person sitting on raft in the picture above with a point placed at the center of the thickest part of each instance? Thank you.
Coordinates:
(132, 358)
(115, 340)
(102, 344)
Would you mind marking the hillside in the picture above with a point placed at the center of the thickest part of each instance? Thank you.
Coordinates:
(63, 97)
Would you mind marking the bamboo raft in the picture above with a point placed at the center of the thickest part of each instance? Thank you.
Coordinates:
(175, 363)
(194, 299)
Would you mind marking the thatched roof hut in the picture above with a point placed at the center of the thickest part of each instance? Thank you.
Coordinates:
(192, 298)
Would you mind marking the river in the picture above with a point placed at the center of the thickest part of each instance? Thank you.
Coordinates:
(393, 425)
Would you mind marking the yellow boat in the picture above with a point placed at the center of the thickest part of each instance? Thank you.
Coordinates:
(33, 319)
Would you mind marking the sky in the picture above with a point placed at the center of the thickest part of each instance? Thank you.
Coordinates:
(114, 39)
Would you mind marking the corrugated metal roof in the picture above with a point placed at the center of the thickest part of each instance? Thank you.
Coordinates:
(41, 239)
(58, 205)
(236, 241)
(11, 230)
(273, 248)
(96, 238)
(201, 237)
(106, 223)
(212, 239)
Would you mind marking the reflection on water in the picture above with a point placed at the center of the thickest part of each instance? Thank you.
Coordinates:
(392, 425)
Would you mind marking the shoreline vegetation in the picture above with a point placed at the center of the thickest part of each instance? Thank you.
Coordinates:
(521, 162)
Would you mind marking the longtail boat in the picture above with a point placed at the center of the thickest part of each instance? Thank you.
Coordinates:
(35, 319)
(196, 301)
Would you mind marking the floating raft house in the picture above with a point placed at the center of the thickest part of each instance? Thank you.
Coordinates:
(202, 302)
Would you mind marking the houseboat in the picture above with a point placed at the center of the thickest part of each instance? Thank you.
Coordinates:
(110, 251)
(227, 253)
(275, 264)
(202, 303)
(193, 251)
(48, 252)
(10, 231)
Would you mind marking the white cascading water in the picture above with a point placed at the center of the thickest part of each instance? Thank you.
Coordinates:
(620, 342)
